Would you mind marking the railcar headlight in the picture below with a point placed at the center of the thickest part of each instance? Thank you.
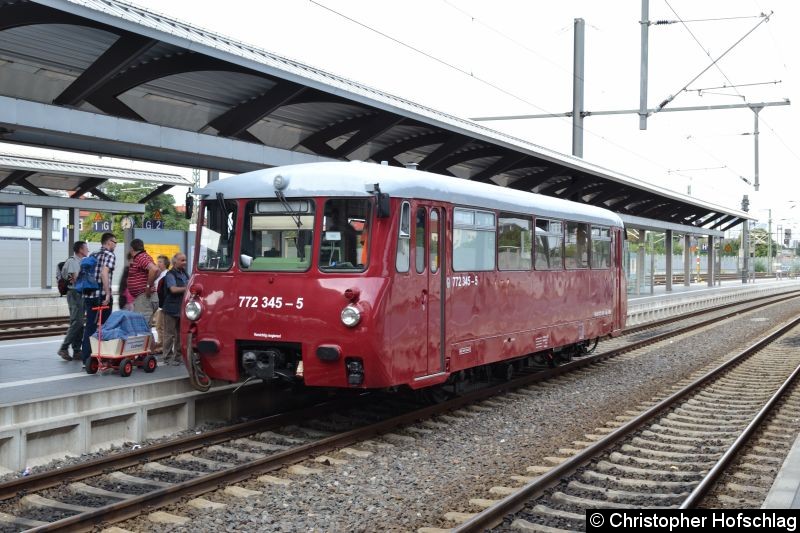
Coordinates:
(193, 310)
(351, 316)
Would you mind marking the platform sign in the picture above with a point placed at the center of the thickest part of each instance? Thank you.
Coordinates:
(153, 224)
(99, 224)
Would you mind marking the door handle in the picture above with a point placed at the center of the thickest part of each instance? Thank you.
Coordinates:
(424, 299)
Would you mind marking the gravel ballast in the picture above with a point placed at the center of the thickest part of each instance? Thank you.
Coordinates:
(405, 485)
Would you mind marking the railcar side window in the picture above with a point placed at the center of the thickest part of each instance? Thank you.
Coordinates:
(277, 236)
(216, 235)
(514, 243)
(403, 259)
(474, 237)
(549, 243)
(433, 245)
(419, 241)
(601, 247)
(576, 248)
(345, 238)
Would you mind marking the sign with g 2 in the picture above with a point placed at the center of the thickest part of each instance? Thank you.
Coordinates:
(269, 302)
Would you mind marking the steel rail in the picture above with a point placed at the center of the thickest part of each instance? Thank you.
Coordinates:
(165, 449)
(157, 451)
(132, 507)
(710, 479)
(491, 516)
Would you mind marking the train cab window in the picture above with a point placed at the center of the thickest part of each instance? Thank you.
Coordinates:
(217, 235)
(403, 259)
(277, 236)
(576, 246)
(345, 238)
(419, 240)
(433, 243)
(549, 244)
(601, 247)
(514, 242)
(474, 237)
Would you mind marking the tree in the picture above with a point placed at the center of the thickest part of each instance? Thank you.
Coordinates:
(120, 192)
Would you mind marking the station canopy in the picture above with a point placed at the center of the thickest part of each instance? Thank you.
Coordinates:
(40, 182)
(221, 104)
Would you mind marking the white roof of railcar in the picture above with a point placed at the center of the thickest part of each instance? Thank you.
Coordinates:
(356, 178)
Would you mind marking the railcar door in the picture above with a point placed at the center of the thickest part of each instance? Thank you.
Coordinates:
(429, 264)
(620, 288)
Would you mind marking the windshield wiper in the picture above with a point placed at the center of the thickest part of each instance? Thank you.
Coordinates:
(295, 216)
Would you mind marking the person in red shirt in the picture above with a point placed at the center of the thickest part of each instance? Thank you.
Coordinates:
(141, 278)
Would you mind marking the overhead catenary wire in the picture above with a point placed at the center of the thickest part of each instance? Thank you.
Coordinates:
(507, 92)
(708, 54)
(485, 82)
(670, 98)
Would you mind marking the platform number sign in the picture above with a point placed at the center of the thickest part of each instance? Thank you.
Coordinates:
(99, 224)
(154, 223)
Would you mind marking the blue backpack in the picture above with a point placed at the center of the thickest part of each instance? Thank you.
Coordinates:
(86, 282)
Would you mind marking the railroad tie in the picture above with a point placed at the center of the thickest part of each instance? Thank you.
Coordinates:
(482, 503)
(205, 505)
(502, 491)
(529, 527)
(301, 470)
(272, 480)
(457, 517)
(239, 454)
(34, 500)
(240, 492)
(356, 453)
(83, 488)
(208, 463)
(161, 517)
(19, 521)
(330, 461)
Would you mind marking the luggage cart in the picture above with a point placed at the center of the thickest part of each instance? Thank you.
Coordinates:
(120, 354)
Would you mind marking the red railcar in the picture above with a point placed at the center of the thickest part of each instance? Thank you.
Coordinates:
(357, 275)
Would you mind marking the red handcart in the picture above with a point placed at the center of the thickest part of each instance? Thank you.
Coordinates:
(120, 354)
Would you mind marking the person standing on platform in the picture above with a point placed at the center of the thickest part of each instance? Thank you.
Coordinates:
(158, 316)
(69, 272)
(124, 295)
(103, 272)
(141, 277)
(175, 282)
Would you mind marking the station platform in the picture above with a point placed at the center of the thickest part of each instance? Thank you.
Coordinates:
(50, 408)
(22, 304)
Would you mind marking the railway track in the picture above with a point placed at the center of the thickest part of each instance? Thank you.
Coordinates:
(69, 497)
(33, 327)
(672, 454)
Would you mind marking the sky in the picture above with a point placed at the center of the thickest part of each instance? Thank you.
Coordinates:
(475, 58)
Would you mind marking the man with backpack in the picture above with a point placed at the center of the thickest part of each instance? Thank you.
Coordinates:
(69, 274)
(101, 275)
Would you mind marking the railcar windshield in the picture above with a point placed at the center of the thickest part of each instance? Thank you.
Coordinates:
(217, 234)
(277, 236)
(345, 239)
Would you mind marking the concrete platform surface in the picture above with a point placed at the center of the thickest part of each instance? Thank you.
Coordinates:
(785, 491)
